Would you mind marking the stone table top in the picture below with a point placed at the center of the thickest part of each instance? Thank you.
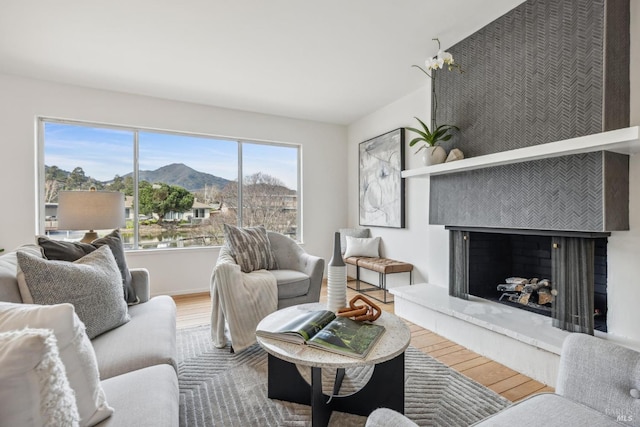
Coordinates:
(393, 341)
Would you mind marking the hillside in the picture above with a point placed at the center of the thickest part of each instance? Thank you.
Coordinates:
(173, 174)
(184, 176)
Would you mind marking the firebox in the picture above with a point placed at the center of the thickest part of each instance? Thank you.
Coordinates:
(517, 268)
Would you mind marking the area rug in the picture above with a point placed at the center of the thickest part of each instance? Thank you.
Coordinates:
(218, 388)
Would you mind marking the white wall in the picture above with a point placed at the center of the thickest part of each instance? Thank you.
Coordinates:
(427, 246)
(173, 271)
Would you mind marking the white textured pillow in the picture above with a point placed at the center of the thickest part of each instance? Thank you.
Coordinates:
(93, 284)
(35, 390)
(353, 232)
(362, 246)
(75, 349)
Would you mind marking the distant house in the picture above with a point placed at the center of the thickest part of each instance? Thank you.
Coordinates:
(196, 214)
(50, 216)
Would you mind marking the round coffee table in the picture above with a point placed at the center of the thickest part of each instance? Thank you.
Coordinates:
(385, 388)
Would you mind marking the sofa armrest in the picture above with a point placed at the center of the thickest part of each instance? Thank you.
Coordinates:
(140, 283)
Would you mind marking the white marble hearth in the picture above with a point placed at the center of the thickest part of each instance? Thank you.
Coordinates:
(523, 341)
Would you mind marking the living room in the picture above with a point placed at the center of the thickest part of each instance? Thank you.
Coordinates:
(329, 139)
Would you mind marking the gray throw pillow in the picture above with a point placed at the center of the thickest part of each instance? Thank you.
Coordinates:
(72, 251)
(92, 284)
(250, 248)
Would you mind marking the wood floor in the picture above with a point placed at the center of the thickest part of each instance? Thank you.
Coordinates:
(194, 310)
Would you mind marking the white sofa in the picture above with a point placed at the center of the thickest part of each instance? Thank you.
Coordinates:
(136, 361)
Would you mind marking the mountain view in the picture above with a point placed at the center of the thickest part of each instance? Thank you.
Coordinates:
(182, 175)
(173, 174)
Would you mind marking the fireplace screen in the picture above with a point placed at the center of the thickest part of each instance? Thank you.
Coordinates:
(563, 277)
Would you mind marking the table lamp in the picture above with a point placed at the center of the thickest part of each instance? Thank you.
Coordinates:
(90, 210)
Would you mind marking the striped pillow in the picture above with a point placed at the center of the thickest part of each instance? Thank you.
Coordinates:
(250, 248)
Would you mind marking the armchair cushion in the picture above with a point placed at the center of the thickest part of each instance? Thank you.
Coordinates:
(250, 248)
(291, 283)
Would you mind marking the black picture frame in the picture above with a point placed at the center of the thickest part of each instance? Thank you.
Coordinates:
(381, 186)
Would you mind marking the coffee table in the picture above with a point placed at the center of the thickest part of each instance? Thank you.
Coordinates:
(385, 387)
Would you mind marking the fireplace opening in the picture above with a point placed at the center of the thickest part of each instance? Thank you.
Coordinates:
(524, 260)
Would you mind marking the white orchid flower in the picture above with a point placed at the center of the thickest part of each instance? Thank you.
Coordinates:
(434, 63)
(446, 57)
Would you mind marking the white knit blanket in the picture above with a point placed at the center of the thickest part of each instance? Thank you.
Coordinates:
(241, 300)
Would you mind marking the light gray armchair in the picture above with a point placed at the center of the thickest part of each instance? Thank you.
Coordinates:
(240, 300)
(598, 383)
(299, 275)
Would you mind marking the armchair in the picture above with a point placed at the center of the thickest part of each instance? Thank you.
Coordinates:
(299, 275)
(240, 300)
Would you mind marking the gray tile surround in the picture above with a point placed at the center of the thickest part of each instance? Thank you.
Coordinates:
(540, 73)
(563, 193)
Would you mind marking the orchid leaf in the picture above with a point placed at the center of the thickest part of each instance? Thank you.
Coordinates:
(419, 132)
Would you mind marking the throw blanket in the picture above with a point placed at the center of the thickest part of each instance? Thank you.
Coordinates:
(240, 299)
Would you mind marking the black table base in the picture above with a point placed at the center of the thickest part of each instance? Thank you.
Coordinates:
(385, 389)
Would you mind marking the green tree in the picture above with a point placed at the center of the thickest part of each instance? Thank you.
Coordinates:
(163, 198)
(117, 184)
(54, 180)
(76, 179)
(128, 186)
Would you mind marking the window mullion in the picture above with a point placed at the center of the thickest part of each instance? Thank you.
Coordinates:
(240, 184)
(136, 216)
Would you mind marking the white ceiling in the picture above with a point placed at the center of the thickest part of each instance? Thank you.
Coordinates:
(330, 61)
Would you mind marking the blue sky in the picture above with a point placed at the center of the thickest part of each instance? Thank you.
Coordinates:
(103, 153)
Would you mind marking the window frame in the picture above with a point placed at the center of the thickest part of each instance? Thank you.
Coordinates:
(135, 130)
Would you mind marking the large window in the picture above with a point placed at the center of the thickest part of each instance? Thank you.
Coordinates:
(179, 188)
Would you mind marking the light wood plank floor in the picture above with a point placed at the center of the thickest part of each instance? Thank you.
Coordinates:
(194, 310)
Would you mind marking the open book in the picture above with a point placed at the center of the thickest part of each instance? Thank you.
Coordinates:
(322, 329)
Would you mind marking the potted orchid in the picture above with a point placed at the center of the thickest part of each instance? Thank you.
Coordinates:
(431, 137)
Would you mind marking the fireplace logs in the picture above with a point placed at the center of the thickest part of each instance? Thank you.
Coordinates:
(533, 292)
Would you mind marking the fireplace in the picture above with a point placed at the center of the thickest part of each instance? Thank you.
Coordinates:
(520, 268)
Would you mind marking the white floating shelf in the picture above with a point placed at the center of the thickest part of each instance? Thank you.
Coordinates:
(624, 141)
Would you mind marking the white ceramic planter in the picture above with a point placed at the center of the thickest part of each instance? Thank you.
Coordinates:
(434, 155)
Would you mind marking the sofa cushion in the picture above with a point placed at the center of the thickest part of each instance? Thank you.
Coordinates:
(291, 283)
(148, 339)
(71, 251)
(35, 390)
(250, 248)
(146, 397)
(75, 351)
(548, 409)
(92, 284)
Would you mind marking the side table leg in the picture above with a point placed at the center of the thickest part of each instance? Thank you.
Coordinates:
(320, 411)
(284, 382)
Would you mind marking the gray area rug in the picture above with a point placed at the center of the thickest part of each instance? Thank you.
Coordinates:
(218, 388)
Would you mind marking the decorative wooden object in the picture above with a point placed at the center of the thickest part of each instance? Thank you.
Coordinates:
(367, 312)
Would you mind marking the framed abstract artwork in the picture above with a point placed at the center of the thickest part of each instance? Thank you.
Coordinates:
(381, 188)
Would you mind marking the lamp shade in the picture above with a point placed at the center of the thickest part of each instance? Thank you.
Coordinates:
(90, 210)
